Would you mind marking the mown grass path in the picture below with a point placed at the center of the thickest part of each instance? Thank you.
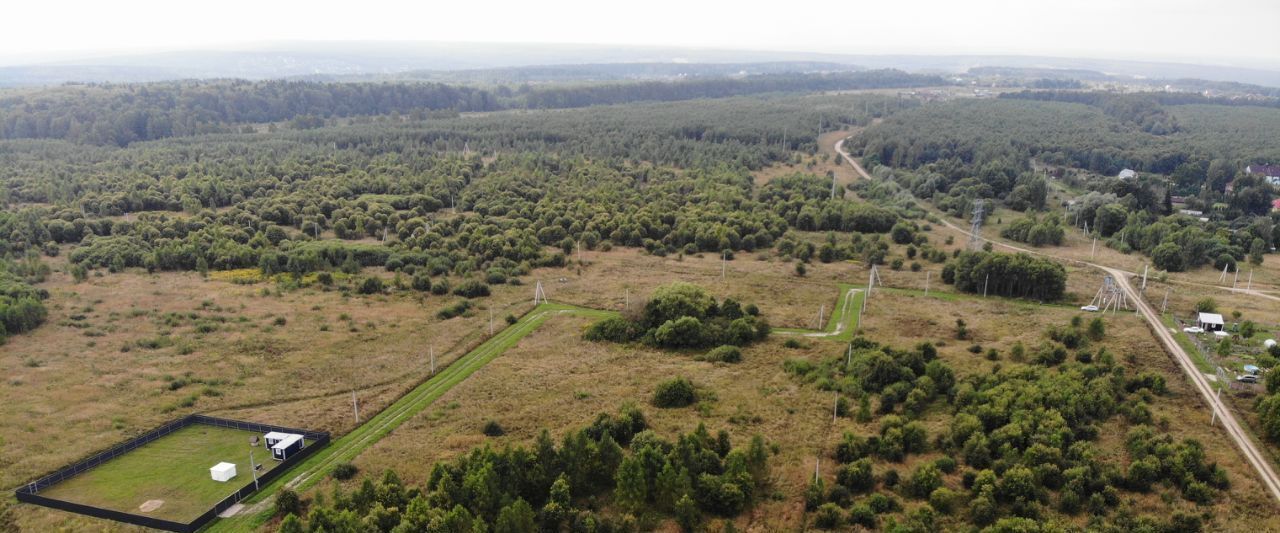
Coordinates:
(258, 509)
(347, 447)
(843, 320)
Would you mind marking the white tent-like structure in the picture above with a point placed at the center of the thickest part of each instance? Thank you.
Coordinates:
(223, 472)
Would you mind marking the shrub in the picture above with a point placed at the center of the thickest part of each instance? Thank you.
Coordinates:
(440, 288)
(344, 471)
(421, 281)
(828, 516)
(723, 354)
(471, 288)
(926, 479)
(493, 429)
(942, 499)
(456, 309)
(612, 329)
(857, 476)
(287, 502)
(678, 392)
(371, 285)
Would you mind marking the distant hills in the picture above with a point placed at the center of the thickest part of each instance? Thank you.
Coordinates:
(522, 62)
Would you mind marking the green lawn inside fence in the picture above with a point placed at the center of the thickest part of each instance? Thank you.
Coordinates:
(172, 471)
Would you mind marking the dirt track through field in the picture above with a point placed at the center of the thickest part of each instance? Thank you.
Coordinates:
(1242, 438)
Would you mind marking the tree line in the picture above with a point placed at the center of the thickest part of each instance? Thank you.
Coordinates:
(606, 477)
(120, 114)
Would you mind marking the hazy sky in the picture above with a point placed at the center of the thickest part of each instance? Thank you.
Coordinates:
(1237, 32)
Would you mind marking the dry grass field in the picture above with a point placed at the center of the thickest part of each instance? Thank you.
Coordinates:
(554, 380)
(293, 357)
(123, 353)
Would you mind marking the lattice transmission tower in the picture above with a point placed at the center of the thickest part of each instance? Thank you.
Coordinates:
(975, 228)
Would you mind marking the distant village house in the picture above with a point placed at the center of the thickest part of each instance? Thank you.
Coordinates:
(1271, 173)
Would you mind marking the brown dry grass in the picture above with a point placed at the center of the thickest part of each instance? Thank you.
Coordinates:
(555, 380)
(68, 394)
(85, 397)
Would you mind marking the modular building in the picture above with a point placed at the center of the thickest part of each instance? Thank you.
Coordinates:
(286, 447)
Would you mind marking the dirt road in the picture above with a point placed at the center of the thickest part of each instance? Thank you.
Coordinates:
(1242, 438)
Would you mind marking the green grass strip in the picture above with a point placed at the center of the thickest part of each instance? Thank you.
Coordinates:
(349, 446)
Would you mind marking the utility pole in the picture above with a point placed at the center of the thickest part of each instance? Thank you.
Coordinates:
(626, 299)
(821, 310)
(579, 251)
(1093, 251)
(848, 357)
(253, 468)
(835, 408)
(1249, 287)
(490, 321)
(432, 351)
(724, 259)
(1144, 278)
(1236, 281)
(355, 406)
(985, 283)
(1165, 304)
(927, 276)
(1212, 408)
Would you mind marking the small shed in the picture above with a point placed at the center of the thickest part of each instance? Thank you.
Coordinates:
(1210, 321)
(223, 472)
(1127, 174)
(287, 447)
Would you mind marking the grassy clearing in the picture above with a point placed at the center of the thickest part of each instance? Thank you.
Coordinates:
(563, 382)
(352, 444)
(844, 317)
(173, 469)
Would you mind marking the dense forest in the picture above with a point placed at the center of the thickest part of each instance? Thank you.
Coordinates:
(613, 476)
(126, 113)
(578, 96)
(1021, 442)
(448, 205)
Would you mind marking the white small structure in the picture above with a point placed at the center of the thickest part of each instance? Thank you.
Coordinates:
(223, 472)
(1210, 321)
(1127, 174)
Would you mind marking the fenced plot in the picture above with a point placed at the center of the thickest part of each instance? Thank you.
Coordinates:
(162, 479)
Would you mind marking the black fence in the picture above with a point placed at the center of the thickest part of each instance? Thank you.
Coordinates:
(30, 493)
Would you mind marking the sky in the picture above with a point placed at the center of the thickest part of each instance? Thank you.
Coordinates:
(1227, 32)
